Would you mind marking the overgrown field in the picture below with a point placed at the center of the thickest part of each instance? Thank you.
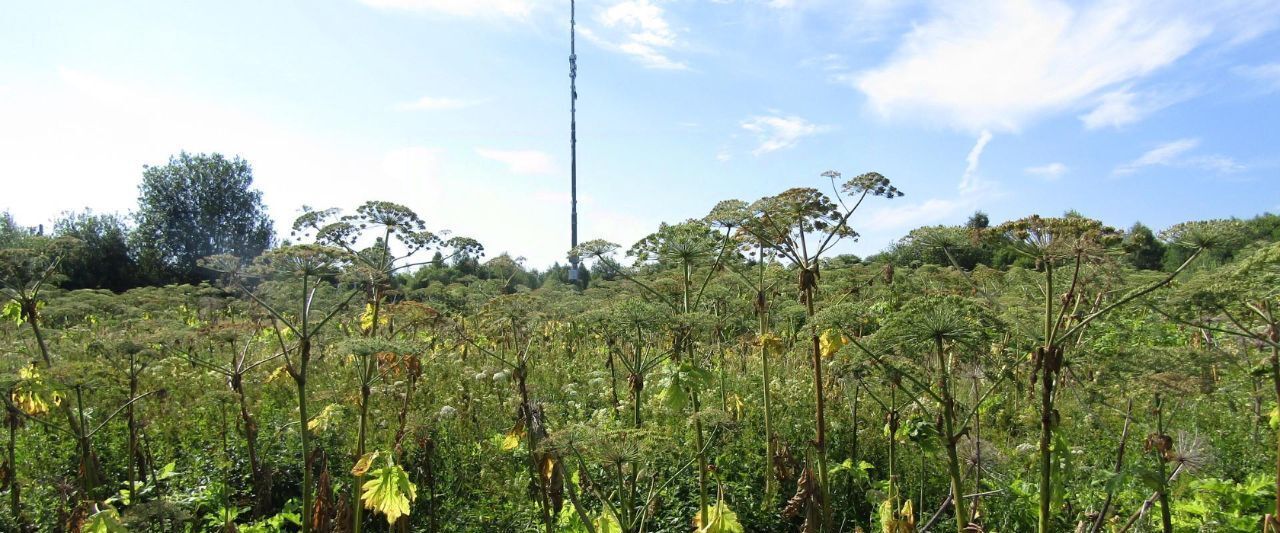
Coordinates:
(724, 374)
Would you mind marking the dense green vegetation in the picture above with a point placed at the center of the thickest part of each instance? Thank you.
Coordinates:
(726, 373)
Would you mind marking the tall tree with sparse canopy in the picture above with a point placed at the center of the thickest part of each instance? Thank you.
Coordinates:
(196, 206)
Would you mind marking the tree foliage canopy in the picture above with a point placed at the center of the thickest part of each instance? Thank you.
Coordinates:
(196, 206)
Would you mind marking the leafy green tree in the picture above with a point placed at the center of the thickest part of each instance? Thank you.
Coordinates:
(102, 261)
(978, 220)
(197, 205)
(10, 232)
(1142, 249)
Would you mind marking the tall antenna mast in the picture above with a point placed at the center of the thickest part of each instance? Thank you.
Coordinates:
(573, 147)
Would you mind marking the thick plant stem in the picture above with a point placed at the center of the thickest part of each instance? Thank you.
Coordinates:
(703, 503)
(33, 317)
(1166, 521)
(697, 421)
(305, 433)
(15, 492)
(1046, 457)
(820, 418)
(769, 487)
(358, 515)
(261, 482)
(133, 431)
(949, 430)
(1275, 378)
(762, 313)
(1046, 407)
(532, 438)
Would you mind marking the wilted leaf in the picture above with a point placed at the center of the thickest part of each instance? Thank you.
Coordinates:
(363, 464)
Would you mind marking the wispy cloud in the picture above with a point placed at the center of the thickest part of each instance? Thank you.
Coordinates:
(638, 28)
(1048, 171)
(999, 65)
(1175, 154)
(517, 9)
(1163, 155)
(1267, 74)
(776, 132)
(431, 103)
(523, 162)
(969, 181)
(1126, 106)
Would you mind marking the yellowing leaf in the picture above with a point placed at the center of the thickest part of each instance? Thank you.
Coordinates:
(321, 421)
(720, 519)
(389, 492)
(366, 319)
(770, 342)
(12, 311)
(738, 406)
(513, 438)
(28, 373)
(607, 523)
(831, 341)
(275, 374)
(548, 468)
(30, 395)
(105, 521)
(29, 403)
(363, 464)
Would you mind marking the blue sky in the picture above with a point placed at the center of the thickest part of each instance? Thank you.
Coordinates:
(1159, 111)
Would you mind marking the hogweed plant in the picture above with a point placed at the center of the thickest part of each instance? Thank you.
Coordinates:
(391, 236)
(303, 272)
(801, 225)
(1073, 244)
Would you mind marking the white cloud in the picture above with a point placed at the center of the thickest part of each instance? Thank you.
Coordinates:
(1268, 74)
(431, 103)
(723, 155)
(1125, 106)
(466, 8)
(932, 211)
(638, 28)
(1049, 171)
(523, 162)
(1216, 163)
(776, 132)
(998, 65)
(969, 181)
(1175, 154)
(1163, 155)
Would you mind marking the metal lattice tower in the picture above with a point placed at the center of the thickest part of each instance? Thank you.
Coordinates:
(573, 147)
